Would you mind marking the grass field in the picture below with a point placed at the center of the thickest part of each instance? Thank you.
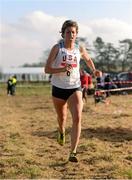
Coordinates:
(28, 129)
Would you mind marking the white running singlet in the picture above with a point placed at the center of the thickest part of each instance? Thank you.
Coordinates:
(62, 80)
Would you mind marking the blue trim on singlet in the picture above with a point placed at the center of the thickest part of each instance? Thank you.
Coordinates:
(61, 46)
(76, 45)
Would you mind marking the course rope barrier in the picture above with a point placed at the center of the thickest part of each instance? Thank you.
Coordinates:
(116, 82)
(100, 93)
(112, 90)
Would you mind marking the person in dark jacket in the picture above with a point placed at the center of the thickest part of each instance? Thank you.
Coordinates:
(107, 86)
(11, 85)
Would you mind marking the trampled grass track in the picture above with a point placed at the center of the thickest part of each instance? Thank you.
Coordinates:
(28, 129)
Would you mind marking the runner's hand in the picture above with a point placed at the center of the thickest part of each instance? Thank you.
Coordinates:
(97, 73)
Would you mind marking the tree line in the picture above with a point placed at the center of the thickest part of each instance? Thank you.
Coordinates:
(106, 56)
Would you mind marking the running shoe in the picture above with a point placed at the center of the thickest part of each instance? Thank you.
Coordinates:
(61, 138)
(73, 157)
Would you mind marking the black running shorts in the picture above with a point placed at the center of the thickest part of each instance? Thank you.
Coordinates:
(63, 93)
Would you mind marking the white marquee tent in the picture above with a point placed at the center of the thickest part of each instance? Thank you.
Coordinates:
(24, 74)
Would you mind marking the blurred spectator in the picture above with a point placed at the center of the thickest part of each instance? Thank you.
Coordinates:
(11, 85)
(100, 81)
(86, 83)
(14, 82)
(107, 85)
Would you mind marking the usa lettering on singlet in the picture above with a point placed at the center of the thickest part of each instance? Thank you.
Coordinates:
(64, 57)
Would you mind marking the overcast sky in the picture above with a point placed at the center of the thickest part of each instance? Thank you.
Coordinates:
(28, 27)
